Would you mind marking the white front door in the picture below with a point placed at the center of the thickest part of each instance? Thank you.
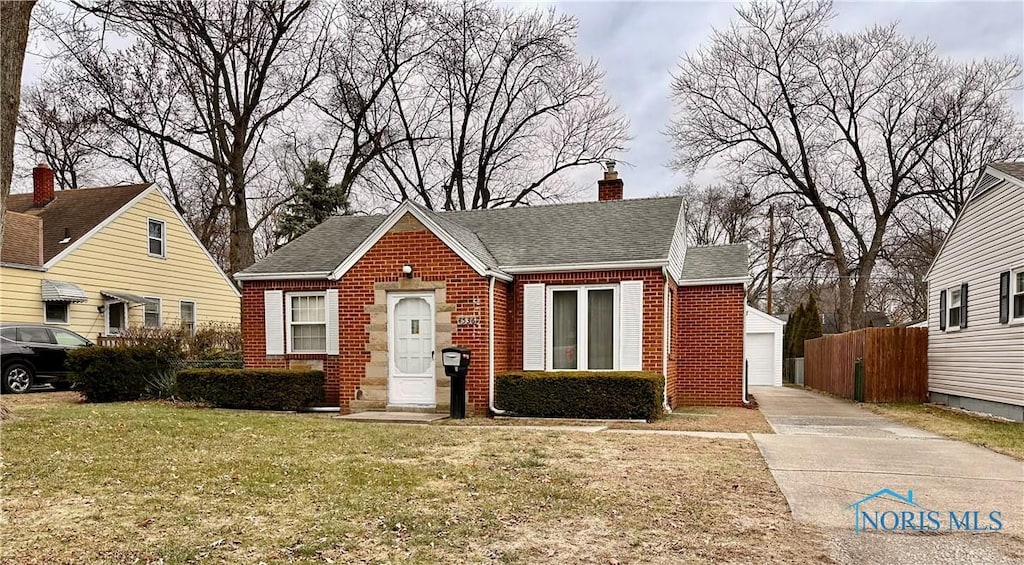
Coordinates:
(411, 349)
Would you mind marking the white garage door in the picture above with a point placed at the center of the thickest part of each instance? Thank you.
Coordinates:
(761, 359)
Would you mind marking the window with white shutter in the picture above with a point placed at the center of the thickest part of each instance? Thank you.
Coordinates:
(273, 321)
(631, 325)
(332, 321)
(533, 327)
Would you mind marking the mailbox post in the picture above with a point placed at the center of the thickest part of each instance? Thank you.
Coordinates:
(456, 365)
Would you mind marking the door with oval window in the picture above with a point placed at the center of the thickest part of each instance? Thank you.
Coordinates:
(411, 349)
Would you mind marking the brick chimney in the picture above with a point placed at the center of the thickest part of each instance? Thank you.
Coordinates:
(610, 187)
(42, 185)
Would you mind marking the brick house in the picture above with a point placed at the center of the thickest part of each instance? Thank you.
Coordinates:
(606, 285)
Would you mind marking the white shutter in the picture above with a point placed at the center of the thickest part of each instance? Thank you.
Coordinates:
(631, 325)
(331, 304)
(273, 317)
(533, 327)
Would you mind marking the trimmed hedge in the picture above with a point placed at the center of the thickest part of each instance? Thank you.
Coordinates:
(604, 394)
(259, 389)
(112, 374)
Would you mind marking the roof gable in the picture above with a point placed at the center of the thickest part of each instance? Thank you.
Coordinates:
(995, 174)
(72, 215)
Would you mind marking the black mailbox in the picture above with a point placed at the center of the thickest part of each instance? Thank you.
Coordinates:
(456, 365)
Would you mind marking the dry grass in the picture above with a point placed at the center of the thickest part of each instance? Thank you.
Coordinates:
(151, 482)
(741, 420)
(998, 435)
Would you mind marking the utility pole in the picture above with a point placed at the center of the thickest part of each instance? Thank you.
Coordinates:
(771, 254)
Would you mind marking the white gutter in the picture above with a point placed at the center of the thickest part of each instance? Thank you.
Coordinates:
(707, 282)
(490, 349)
(281, 276)
(610, 266)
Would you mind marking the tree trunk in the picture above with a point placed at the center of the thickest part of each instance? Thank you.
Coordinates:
(241, 250)
(14, 22)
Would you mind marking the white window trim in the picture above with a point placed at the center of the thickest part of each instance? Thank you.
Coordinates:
(288, 321)
(163, 238)
(159, 312)
(949, 306)
(195, 314)
(1014, 320)
(582, 329)
(67, 315)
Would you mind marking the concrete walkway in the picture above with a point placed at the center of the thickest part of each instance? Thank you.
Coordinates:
(829, 453)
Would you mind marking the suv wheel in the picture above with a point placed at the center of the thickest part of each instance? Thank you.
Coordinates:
(17, 378)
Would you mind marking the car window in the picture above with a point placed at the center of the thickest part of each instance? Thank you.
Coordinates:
(34, 335)
(9, 333)
(71, 339)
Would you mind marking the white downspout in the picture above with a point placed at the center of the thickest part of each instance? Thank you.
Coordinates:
(490, 349)
(743, 370)
(666, 332)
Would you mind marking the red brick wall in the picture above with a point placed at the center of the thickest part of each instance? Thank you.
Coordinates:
(709, 321)
(672, 369)
(432, 261)
(654, 288)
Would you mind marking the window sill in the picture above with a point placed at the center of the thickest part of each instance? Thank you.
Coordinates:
(50, 323)
(155, 256)
(1015, 322)
(952, 329)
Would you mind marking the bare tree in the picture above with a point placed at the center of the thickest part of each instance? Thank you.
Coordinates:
(840, 121)
(240, 66)
(55, 125)
(498, 107)
(15, 18)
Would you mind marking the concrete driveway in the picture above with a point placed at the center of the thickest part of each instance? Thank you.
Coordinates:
(828, 454)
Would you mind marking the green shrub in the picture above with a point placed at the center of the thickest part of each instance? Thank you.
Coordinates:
(261, 389)
(609, 395)
(112, 374)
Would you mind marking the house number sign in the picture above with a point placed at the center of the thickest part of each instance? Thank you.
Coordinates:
(463, 321)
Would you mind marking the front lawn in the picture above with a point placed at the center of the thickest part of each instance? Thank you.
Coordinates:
(145, 482)
(997, 435)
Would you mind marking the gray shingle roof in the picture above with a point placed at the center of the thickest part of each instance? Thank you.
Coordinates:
(322, 248)
(1014, 169)
(558, 234)
(715, 262)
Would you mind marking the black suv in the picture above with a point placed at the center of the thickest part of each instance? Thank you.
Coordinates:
(32, 354)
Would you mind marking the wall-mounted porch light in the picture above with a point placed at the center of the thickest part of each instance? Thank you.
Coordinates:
(407, 271)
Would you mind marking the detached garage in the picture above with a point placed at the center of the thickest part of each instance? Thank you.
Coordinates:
(763, 345)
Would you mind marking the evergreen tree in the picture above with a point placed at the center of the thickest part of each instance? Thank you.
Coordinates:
(315, 200)
(812, 319)
(793, 336)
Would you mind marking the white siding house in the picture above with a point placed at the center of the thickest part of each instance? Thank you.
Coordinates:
(976, 301)
(763, 344)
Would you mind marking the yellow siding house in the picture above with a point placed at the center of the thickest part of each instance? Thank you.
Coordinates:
(99, 260)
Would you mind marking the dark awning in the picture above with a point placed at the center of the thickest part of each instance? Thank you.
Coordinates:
(123, 296)
(60, 291)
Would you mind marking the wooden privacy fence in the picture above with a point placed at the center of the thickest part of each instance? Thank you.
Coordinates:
(893, 362)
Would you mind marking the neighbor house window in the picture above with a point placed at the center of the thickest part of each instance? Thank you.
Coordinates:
(152, 313)
(157, 237)
(307, 323)
(953, 308)
(187, 315)
(56, 312)
(1017, 293)
(582, 322)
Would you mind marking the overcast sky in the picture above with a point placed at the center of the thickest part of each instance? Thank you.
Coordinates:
(639, 43)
